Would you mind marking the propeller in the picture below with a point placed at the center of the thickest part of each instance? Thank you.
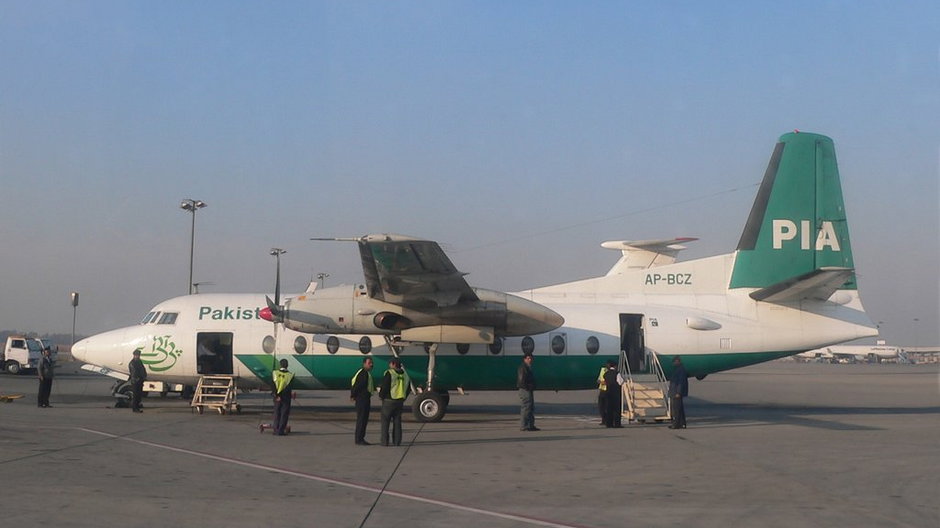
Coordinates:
(274, 311)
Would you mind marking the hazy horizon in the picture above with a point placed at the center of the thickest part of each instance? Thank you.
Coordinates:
(519, 136)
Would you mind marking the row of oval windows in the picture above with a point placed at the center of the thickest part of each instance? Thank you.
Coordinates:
(592, 344)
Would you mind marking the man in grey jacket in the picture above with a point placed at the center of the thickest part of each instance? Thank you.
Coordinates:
(138, 375)
(46, 373)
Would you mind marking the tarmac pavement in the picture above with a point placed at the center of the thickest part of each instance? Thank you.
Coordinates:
(778, 444)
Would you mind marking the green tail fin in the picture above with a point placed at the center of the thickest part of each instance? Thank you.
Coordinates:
(798, 223)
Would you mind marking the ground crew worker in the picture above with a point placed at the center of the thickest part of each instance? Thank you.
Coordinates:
(678, 389)
(362, 389)
(46, 372)
(282, 398)
(138, 375)
(525, 382)
(602, 392)
(614, 397)
(393, 390)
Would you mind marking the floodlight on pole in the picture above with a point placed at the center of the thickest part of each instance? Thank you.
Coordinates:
(74, 297)
(192, 206)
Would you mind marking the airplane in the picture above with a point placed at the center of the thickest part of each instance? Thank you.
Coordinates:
(789, 287)
(856, 353)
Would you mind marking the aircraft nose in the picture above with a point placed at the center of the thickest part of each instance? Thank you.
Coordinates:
(80, 350)
(109, 349)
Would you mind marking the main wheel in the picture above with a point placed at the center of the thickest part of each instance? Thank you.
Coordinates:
(430, 406)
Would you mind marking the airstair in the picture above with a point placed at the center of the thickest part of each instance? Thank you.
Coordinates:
(645, 392)
(216, 392)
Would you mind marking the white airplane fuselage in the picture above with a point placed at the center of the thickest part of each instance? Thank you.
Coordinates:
(680, 309)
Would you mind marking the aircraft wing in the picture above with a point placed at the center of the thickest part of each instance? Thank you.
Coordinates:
(817, 284)
(411, 272)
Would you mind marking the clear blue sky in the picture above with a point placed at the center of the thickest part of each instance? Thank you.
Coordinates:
(520, 135)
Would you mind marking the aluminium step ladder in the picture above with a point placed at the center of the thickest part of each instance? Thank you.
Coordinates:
(645, 396)
(216, 392)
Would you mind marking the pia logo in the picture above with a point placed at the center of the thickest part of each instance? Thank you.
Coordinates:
(162, 356)
(788, 230)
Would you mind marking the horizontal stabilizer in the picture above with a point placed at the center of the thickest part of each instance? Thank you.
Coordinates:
(817, 284)
(645, 254)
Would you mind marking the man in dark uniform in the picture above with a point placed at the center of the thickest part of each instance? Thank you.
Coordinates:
(362, 389)
(138, 375)
(393, 390)
(46, 373)
(678, 389)
(525, 382)
(614, 397)
(282, 398)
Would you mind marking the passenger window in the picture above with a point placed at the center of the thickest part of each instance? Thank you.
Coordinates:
(558, 344)
(593, 345)
(463, 348)
(332, 344)
(300, 344)
(267, 344)
(528, 345)
(497, 346)
(365, 345)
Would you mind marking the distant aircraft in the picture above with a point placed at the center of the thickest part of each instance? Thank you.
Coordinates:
(855, 353)
(789, 287)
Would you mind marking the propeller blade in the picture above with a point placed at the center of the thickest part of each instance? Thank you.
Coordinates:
(273, 312)
(277, 284)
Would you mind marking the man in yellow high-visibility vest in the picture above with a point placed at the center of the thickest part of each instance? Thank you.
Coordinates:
(361, 393)
(282, 398)
(393, 390)
(602, 392)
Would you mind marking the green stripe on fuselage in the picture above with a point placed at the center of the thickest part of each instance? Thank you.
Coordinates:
(490, 372)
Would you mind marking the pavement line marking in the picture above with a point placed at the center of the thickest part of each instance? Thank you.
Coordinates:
(348, 484)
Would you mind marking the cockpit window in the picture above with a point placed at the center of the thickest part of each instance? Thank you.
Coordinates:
(168, 318)
(147, 318)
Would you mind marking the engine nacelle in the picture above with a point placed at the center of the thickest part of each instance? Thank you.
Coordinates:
(391, 321)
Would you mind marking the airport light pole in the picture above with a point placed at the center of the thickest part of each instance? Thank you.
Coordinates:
(321, 278)
(192, 206)
(74, 296)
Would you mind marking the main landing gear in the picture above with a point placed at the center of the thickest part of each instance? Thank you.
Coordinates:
(430, 406)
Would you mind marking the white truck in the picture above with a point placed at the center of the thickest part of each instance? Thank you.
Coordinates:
(21, 354)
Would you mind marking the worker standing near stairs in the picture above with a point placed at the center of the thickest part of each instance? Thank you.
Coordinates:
(678, 389)
(282, 398)
(614, 397)
(602, 392)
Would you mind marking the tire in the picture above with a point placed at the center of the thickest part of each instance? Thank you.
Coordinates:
(429, 407)
(125, 389)
(13, 367)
